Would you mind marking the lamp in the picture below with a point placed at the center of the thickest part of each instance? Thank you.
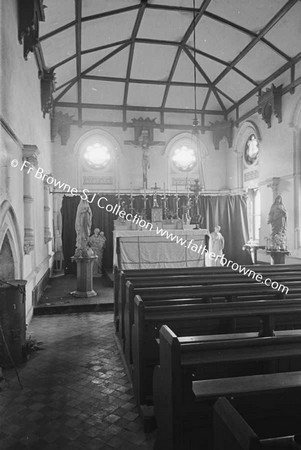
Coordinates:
(195, 121)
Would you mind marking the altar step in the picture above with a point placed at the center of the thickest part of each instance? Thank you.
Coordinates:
(57, 298)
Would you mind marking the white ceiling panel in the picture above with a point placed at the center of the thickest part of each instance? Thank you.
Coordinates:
(102, 92)
(152, 61)
(115, 66)
(107, 30)
(145, 94)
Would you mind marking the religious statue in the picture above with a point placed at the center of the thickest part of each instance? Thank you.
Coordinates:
(278, 220)
(97, 242)
(83, 223)
(186, 211)
(216, 245)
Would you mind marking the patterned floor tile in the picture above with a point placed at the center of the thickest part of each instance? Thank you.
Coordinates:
(75, 392)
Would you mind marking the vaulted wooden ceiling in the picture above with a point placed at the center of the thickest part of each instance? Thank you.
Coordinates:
(116, 59)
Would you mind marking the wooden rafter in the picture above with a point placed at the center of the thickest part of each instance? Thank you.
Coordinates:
(259, 36)
(139, 108)
(137, 24)
(267, 81)
(186, 36)
(89, 69)
(211, 85)
(224, 63)
(143, 81)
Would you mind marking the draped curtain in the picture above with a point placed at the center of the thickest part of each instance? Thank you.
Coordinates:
(228, 211)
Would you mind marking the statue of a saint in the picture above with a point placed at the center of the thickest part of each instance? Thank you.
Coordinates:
(98, 242)
(216, 245)
(83, 223)
(278, 220)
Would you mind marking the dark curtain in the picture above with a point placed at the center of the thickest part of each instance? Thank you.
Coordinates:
(100, 219)
(230, 212)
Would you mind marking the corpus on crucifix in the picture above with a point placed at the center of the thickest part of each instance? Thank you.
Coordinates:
(196, 189)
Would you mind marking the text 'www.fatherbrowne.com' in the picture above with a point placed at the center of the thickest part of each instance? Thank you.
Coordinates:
(201, 249)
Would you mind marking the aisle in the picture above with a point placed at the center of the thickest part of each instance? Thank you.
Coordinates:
(75, 392)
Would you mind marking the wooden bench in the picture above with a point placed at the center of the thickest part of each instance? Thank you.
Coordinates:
(121, 276)
(188, 319)
(193, 279)
(220, 293)
(183, 405)
(231, 431)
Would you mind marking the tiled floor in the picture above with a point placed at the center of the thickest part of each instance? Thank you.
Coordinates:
(75, 392)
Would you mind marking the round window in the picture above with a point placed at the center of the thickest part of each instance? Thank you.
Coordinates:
(184, 158)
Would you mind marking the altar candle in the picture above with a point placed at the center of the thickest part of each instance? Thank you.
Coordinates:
(176, 188)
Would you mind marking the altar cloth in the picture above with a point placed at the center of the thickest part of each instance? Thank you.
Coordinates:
(148, 250)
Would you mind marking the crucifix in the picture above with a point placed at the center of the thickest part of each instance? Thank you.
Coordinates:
(196, 189)
(144, 138)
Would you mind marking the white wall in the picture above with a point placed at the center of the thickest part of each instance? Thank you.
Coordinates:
(24, 125)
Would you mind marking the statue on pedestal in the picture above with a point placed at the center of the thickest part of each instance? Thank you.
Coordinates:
(216, 245)
(84, 255)
(98, 242)
(278, 220)
(83, 223)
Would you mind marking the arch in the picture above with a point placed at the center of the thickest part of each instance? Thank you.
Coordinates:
(177, 177)
(296, 115)
(9, 228)
(97, 132)
(246, 129)
(111, 171)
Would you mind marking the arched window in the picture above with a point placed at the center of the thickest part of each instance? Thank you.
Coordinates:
(97, 154)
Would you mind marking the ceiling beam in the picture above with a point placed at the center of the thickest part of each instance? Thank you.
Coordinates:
(90, 50)
(267, 81)
(137, 108)
(211, 85)
(78, 43)
(259, 36)
(86, 19)
(246, 31)
(102, 123)
(112, 12)
(143, 81)
(75, 79)
(57, 30)
(138, 21)
(221, 61)
(196, 18)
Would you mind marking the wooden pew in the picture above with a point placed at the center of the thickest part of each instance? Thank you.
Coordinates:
(221, 293)
(187, 319)
(193, 279)
(231, 431)
(183, 407)
(121, 276)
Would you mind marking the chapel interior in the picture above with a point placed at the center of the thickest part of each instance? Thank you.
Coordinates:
(150, 156)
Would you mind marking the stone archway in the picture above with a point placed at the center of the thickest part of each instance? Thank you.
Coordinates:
(11, 255)
(7, 266)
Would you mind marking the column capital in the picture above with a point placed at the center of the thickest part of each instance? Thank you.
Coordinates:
(30, 154)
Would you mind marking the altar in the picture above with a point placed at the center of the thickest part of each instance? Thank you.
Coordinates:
(134, 249)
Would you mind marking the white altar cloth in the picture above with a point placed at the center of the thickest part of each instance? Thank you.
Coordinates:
(146, 250)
